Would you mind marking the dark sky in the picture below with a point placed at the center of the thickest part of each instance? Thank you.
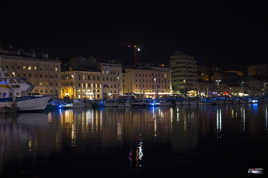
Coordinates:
(215, 31)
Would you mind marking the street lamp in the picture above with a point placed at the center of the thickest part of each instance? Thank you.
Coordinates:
(218, 83)
(118, 79)
(242, 85)
(155, 86)
(264, 88)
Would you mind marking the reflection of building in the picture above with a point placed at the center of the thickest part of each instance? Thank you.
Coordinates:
(43, 73)
(183, 71)
(147, 81)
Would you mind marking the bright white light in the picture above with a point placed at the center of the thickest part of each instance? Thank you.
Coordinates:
(244, 119)
(266, 123)
(140, 151)
(254, 101)
(219, 120)
(255, 170)
(138, 49)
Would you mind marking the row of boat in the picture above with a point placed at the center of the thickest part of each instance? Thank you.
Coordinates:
(14, 96)
(127, 101)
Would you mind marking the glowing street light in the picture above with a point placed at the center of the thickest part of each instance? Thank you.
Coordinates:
(218, 82)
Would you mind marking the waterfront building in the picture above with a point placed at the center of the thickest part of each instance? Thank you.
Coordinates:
(259, 71)
(104, 81)
(147, 81)
(81, 84)
(42, 73)
(112, 79)
(183, 72)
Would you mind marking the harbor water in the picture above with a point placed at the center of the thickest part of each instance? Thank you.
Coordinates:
(189, 141)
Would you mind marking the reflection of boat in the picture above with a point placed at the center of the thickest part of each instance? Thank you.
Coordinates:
(32, 120)
(13, 93)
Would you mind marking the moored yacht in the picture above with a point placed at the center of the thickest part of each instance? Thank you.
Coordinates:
(14, 92)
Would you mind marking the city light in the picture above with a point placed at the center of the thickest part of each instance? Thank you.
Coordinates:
(255, 107)
(219, 120)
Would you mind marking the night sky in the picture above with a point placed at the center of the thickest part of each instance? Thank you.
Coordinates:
(216, 32)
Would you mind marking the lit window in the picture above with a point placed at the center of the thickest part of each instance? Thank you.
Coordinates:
(56, 69)
(24, 67)
(29, 67)
(13, 74)
(72, 75)
(41, 83)
(35, 67)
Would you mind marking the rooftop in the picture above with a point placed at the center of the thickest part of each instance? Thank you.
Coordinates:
(16, 57)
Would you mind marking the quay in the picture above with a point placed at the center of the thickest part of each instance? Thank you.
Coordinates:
(145, 103)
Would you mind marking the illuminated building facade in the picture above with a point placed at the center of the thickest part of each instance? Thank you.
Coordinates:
(104, 82)
(81, 85)
(147, 81)
(112, 79)
(183, 72)
(43, 74)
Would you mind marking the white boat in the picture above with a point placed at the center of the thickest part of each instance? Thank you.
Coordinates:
(13, 93)
(32, 120)
(32, 103)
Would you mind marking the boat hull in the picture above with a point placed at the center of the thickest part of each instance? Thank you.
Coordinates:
(32, 103)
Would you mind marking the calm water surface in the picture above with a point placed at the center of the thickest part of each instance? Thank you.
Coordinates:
(198, 141)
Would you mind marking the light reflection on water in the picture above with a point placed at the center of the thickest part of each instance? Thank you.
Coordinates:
(135, 135)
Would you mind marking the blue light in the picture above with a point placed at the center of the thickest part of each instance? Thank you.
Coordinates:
(60, 106)
(255, 107)
(3, 82)
(60, 111)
